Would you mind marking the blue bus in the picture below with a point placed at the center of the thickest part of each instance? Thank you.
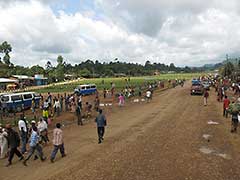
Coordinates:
(19, 101)
(86, 89)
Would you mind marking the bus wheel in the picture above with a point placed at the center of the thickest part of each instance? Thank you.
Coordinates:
(19, 109)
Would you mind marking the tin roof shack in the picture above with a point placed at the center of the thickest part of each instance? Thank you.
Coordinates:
(6, 83)
(24, 80)
(40, 80)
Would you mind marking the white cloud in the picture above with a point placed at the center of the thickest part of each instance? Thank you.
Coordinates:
(184, 32)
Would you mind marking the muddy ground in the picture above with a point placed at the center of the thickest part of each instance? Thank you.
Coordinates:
(166, 139)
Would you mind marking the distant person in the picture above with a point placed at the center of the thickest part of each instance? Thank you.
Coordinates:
(57, 142)
(13, 143)
(49, 99)
(57, 107)
(33, 107)
(148, 95)
(61, 103)
(234, 121)
(226, 103)
(101, 123)
(34, 145)
(96, 103)
(205, 97)
(3, 143)
(22, 125)
(121, 100)
(88, 110)
(79, 101)
(104, 93)
(79, 115)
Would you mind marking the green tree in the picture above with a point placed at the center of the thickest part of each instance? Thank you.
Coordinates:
(228, 69)
(60, 68)
(6, 48)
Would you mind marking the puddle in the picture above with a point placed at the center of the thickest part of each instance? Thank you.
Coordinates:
(206, 150)
(102, 105)
(142, 100)
(213, 123)
(224, 156)
(206, 136)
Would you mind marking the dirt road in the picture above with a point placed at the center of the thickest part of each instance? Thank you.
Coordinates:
(160, 140)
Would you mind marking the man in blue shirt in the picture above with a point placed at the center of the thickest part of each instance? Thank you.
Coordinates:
(34, 145)
(101, 123)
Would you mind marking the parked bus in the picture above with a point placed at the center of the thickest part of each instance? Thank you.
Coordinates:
(19, 101)
(86, 89)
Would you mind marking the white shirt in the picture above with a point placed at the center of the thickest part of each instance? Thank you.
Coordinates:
(22, 124)
(42, 126)
(45, 104)
(148, 94)
(57, 104)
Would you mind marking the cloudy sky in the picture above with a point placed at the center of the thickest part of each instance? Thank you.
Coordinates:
(185, 32)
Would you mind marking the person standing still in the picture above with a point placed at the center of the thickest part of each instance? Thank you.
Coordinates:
(13, 143)
(205, 97)
(22, 125)
(101, 123)
(57, 142)
(226, 104)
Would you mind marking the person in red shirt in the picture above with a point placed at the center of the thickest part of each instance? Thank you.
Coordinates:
(226, 103)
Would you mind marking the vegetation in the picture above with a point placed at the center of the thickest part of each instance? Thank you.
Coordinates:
(86, 69)
(120, 83)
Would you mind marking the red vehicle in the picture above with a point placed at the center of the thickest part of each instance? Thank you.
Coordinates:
(197, 88)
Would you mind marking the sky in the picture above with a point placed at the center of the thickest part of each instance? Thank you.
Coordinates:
(183, 32)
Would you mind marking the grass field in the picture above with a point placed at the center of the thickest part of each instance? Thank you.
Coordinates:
(119, 82)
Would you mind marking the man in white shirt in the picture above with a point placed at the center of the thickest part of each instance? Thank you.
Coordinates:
(57, 107)
(42, 128)
(148, 95)
(22, 126)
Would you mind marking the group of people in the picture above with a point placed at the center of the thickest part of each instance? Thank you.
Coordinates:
(32, 135)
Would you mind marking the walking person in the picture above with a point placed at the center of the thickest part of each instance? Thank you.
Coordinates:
(101, 123)
(3, 143)
(57, 142)
(57, 107)
(22, 125)
(148, 95)
(13, 143)
(34, 145)
(226, 103)
(33, 107)
(205, 97)
(43, 130)
(79, 115)
(234, 121)
(121, 100)
(96, 103)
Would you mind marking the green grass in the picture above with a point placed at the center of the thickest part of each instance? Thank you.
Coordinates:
(120, 83)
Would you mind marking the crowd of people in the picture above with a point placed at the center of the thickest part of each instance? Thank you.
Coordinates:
(30, 138)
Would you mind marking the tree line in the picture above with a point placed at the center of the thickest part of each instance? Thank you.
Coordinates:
(87, 69)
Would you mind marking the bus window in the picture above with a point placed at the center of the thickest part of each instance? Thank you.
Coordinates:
(88, 87)
(5, 98)
(27, 96)
(16, 98)
(83, 87)
(93, 87)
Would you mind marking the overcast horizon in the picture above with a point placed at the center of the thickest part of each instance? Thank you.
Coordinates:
(186, 32)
